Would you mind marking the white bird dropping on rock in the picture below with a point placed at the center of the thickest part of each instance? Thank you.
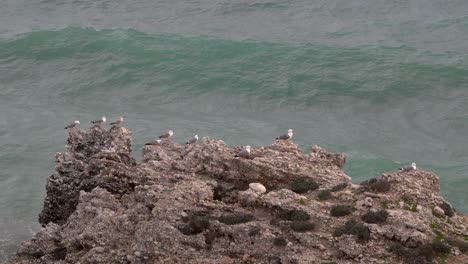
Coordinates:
(287, 136)
(73, 124)
(257, 187)
(99, 121)
(153, 143)
(118, 121)
(244, 153)
(408, 168)
(192, 140)
(168, 134)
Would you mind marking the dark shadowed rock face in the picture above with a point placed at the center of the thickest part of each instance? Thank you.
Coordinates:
(98, 157)
(192, 204)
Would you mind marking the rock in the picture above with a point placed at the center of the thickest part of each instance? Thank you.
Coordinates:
(257, 187)
(198, 204)
(439, 210)
(280, 198)
(248, 198)
(99, 249)
(367, 202)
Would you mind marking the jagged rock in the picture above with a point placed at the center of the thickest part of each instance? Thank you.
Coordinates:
(195, 204)
(257, 187)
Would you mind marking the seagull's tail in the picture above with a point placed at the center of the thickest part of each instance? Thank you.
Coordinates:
(236, 156)
(277, 138)
(400, 169)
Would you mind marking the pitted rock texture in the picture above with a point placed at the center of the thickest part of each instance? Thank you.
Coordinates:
(193, 204)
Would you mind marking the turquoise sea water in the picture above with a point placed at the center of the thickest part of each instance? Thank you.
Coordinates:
(384, 81)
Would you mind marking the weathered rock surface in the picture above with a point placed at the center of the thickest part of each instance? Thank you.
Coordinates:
(193, 204)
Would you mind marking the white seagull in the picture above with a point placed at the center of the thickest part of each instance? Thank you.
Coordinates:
(118, 121)
(287, 136)
(99, 121)
(168, 134)
(192, 140)
(153, 143)
(244, 153)
(408, 168)
(72, 125)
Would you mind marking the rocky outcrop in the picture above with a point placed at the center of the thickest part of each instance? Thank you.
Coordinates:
(193, 204)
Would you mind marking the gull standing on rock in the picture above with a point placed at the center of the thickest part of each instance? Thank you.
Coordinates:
(192, 140)
(99, 121)
(168, 134)
(408, 168)
(72, 125)
(153, 143)
(287, 136)
(244, 153)
(118, 121)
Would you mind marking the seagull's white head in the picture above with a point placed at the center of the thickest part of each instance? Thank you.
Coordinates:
(170, 132)
(290, 132)
(413, 165)
(103, 119)
(76, 122)
(121, 118)
(158, 140)
(196, 136)
(247, 148)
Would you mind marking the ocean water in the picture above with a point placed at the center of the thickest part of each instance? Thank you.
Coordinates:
(384, 81)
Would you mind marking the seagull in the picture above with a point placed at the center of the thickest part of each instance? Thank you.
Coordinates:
(192, 140)
(72, 125)
(408, 168)
(99, 121)
(118, 121)
(168, 134)
(153, 143)
(244, 153)
(287, 136)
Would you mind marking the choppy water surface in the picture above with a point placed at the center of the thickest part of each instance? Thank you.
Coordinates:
(384, 81)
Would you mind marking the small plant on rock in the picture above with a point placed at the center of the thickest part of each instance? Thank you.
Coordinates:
(236, 218)
(368, 182)
(448, 210)
(352, 227)
(341, 210)
(460, 244)
(339, 187)
(254, 231)
(375, 217)
(303, 185)
(440, 247)
(294, 215)
(280, 242)
(381, 185)
(302, 226)
(324, 195)
(195, 225)
(398, 249)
